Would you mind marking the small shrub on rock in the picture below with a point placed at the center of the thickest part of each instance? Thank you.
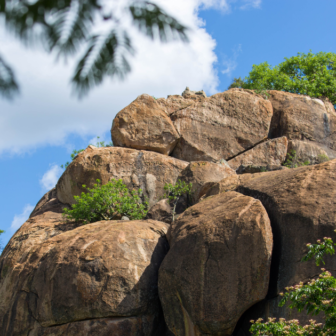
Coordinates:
(316, 296)
(174, 192)
(293, 162)
(107, 202)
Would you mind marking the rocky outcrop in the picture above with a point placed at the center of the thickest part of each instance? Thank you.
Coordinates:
(58, 279)
(161, 212)
(263, 156)
(221, 126)
(200, 172)
(217, 266)
(144, 125)
(149, 171)
(303, 118)
(301, 205)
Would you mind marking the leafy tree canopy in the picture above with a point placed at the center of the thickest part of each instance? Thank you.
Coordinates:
(308, 74)
(68, 26)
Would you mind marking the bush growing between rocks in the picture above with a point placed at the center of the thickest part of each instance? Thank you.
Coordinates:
(107, 202)
(174, 193)
(293, 162)
(318, 295)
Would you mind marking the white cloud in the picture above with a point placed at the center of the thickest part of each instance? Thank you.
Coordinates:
(251, 4)
(21, 218)
(46, 113)
(230, 63)
(50, 178)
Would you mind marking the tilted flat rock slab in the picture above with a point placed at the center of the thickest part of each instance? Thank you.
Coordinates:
(144, 125)
(218, 265)
(149, 171)
(96, 279)
(268, 153)
(221, 126)
(303, 118)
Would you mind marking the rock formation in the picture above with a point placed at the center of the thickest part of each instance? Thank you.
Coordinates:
(222, 262)
(144, 125)
(149, 171)
(218, 265)
(58, 278)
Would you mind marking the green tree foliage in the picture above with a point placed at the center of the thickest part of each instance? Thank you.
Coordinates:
(1, 231)
(75, 152)
(107, 202)
(174, 192)
(314, 297)
(68, 26)
(237, 83)
(308, 74)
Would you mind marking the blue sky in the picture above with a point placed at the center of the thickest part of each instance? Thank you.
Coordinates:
(45, 123)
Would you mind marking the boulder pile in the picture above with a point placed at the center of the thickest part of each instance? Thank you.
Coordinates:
(237, 241)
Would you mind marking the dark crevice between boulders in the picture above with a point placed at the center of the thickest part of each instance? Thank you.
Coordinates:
(244, 151)
(277, 242)
(243, 325)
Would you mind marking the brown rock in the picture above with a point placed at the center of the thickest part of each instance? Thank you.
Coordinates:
(307, 151)
(176, 102)
(144, 125)
(97, 279)
(303, 118)
(200, 172)
(217, 266)
(149, 171)
(221, 126)
(161, 212)
(301, 203)
(264, 155)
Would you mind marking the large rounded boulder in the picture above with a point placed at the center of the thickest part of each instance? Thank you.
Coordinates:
(144, 170)
(221, 126)
(96, 279)
(218, 265)
(144, 125)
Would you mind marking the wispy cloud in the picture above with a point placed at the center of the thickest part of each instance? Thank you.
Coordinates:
(251, 4)
(21, 218)
(50, 178)
(230, 63)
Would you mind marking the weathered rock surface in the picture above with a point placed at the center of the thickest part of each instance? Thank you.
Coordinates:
(161, 212)
(301, 204)
(144, 125)
(176, 102)
(217, 266)
(303, 118)
(149, 171)
(221, 126)
(307, 151)
(200, 172)
(97, 279)
(264, 155)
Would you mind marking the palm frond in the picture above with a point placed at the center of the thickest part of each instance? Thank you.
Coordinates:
(149, 17)
(8, 84)
(105, 56)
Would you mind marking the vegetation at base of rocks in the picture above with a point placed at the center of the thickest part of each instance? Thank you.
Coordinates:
(107, 202)
(322, 158)
(293, 162)
(174, 193)
(76, 152)
(315, 297)
(66, 28)
(307, 74)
